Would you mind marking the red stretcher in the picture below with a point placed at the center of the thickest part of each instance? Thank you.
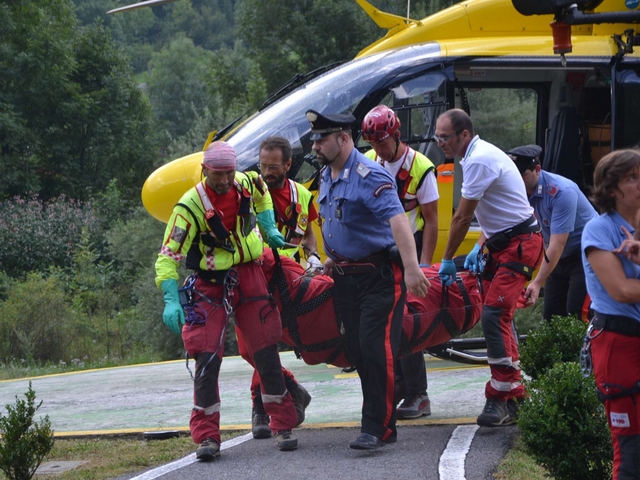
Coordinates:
(310, 325)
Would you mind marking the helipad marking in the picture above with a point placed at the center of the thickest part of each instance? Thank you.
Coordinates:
(451, 464)
(188, 460)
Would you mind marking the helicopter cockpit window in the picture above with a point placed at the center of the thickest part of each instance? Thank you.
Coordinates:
(418, 103)
(338, 91)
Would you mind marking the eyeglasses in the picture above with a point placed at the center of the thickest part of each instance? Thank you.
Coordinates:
(270, 168)
(438, 139)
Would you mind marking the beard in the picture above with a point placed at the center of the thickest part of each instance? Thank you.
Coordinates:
(275, 181)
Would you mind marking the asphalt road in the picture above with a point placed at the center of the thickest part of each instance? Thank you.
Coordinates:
(447, 445)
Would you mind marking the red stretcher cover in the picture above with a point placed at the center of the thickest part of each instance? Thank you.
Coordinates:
(309, 323)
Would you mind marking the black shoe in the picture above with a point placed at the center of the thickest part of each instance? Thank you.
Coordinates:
(260, 425)
(495, 414)
(366, 441)
(285, 441)
(208, 450)
(301, 399)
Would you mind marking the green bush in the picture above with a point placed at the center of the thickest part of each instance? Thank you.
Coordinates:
(558, 340)
(34, 320)
(564, 426)
(24, 442)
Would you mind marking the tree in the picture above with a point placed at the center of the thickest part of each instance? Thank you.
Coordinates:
(290, 36)
(72, 118)
(177, 86)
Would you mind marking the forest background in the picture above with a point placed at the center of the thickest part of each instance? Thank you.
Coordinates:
(90, 105)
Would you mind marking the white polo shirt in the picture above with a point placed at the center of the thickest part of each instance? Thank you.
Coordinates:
(492, 178)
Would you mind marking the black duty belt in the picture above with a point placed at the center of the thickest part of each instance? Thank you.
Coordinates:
(617, 324)
(529, 225)
(362, 265)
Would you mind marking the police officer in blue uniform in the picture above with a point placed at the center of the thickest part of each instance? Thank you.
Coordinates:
(362, 218)
(562, 211)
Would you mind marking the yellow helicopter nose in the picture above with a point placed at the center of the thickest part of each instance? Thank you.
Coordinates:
(166, 185)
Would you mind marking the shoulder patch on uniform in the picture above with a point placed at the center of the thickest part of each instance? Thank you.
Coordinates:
(552, 190)
(362, 170)
(178, 234)
(382, 188)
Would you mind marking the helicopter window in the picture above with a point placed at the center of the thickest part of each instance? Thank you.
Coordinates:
(338, 91)
(506, 117)
(418, 103)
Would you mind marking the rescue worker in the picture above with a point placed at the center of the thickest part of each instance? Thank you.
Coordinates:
(494, 191)
(362, 217)
(562, 211)
(213, 227)
(418, 191)
(294, 212)
(613, 282)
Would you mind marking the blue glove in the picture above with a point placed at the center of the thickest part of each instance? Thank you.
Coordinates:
(173, 315)
(268, 223)
(424, 265)
(471, 262)
(447, 272)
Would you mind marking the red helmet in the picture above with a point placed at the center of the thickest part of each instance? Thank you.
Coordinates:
(380, 123)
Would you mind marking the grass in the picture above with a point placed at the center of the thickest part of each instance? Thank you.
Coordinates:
(518, 465)
(111, 457)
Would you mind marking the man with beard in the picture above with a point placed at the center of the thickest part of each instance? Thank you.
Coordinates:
(212, 228)
(418, 191)
(362, 218)
(294, 211)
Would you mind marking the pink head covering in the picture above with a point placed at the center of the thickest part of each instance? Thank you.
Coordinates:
(219, 156)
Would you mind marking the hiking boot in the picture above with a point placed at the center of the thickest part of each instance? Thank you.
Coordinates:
(301, 399)
(285, 440)
(260, 425)
(495, 414)
(208, 450)
(414, 406)
(513, 407)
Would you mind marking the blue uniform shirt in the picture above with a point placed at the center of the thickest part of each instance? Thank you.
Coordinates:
(355, 208)
(604, 233)
(561, 207)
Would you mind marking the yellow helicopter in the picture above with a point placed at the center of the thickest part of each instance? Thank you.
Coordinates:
(562, 74)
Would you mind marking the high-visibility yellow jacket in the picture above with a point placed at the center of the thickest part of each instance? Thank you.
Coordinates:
(197, 232)
(294, 227)
(414, 170)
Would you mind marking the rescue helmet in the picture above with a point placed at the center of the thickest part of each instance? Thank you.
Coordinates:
(381, 122)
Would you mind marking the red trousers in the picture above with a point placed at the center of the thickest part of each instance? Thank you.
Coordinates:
(256, 396)
(616, 366)
(503, 284)
(258, 320)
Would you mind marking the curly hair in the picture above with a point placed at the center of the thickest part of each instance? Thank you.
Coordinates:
(610, 171)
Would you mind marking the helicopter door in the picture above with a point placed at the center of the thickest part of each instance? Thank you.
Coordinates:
(626, 109)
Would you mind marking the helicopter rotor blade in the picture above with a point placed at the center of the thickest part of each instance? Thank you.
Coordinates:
(148, 3)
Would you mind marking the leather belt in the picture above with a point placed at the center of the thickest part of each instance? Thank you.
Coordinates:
(617, 324)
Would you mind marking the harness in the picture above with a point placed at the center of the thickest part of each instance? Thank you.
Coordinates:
(616, 324)
(404, 179)
(195, 317)
(501, 241)
(294, 232)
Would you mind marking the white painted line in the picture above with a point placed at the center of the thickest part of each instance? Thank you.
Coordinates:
(188, 460)
(451, 465)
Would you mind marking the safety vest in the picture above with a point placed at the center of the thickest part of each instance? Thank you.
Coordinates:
(196, 231)
(294, 227)
(412, 173)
